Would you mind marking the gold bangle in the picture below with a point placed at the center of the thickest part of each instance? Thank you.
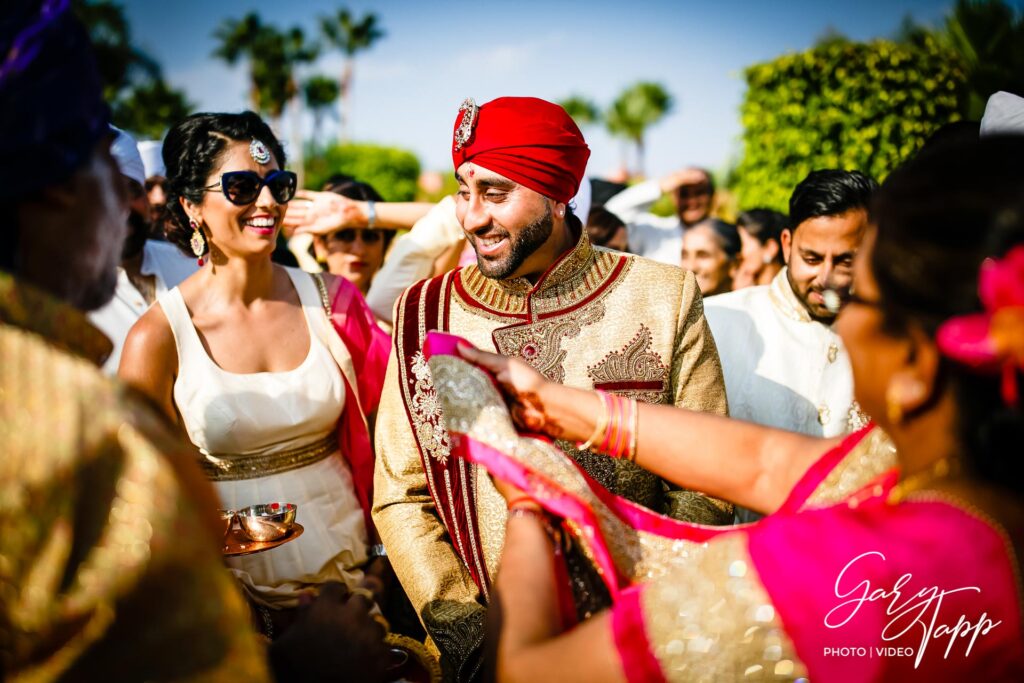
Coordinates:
(600, 426)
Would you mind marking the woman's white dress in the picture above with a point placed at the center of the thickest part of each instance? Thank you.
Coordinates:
(245, 424)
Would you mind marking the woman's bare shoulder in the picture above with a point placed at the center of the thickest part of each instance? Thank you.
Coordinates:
(150, 342)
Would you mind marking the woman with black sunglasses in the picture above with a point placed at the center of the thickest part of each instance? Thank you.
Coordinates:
(269, 371)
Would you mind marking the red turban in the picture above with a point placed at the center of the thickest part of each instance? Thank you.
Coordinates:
(525, 139)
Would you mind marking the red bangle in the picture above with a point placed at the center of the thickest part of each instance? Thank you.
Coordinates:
(521, 499)
(620, 428)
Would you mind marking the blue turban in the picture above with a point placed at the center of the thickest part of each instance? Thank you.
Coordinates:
(52, 112)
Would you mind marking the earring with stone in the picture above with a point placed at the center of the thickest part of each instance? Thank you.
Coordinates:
(197, 242)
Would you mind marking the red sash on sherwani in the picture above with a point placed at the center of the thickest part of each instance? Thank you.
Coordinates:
(424, 308)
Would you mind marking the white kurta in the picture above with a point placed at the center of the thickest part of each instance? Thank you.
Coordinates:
(654, 237)
(782, 369)
(168, 266)
(412, 257)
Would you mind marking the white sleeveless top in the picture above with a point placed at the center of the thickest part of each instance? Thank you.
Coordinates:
(263, 413)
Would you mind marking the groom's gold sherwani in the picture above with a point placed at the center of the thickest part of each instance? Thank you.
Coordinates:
(596, 319)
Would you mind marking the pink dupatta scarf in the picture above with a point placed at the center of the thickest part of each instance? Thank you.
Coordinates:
(932, 574)
(367, 347)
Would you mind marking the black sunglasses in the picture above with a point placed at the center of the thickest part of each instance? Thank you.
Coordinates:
(243, 187)
(348, 235)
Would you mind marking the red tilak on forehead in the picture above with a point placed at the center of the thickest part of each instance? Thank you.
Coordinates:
(472, 172)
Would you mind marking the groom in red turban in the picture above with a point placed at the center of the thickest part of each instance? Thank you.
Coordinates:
(581, 315)
(519, 161)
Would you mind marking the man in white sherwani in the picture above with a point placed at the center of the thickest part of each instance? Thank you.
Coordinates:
(784, 365)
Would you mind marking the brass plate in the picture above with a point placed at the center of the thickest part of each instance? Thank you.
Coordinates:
(236, 543)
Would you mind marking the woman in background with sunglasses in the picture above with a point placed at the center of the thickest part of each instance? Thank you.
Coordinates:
(355, 254)
(243, 356)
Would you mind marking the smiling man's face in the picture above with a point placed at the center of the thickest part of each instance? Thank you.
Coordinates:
(820, 254)
(507, 223)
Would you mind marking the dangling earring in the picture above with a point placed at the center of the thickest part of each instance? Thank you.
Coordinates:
(901, 391)
(893, 406)
(197, 242)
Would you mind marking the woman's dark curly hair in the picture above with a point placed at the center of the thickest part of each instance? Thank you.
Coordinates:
(191, 152)
(938, 218)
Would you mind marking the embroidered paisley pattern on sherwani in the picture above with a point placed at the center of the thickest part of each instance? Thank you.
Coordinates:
(596, 319)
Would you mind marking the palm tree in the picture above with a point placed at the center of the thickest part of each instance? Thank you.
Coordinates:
(582, 110)
(351, 37)
(240, 38)
(273, 56)
(141, 100)
(989, 37)
(149, 109)
(321, 92)
(638, 107)
(120, 64)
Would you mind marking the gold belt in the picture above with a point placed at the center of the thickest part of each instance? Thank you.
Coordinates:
(226, 467)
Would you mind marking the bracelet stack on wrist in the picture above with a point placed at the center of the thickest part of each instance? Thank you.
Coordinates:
(615, 431)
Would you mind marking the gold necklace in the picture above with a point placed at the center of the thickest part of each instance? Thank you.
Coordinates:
(942, 468)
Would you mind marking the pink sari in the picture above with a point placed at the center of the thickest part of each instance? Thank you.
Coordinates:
(363, 371)
(860, 591)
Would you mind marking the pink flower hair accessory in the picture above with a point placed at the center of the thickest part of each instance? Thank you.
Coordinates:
(993, 340)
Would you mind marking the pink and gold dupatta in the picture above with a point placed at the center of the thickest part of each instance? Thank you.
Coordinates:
(363, 358)
(783, 575)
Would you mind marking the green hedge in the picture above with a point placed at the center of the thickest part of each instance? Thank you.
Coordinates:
(863, 106)
(391, 171)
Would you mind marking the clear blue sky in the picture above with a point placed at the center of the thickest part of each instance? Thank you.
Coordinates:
(409, 85)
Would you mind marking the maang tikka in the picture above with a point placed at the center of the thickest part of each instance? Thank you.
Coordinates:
(259, 152)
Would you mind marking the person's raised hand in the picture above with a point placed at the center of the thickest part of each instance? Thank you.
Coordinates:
(320, 213)
(523, 387)
(686, 176)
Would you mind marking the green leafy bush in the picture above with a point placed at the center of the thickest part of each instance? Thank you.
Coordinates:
(863, 106)
(391, 171)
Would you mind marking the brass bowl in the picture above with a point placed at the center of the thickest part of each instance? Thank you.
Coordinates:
(227, 519)
(267, 522)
